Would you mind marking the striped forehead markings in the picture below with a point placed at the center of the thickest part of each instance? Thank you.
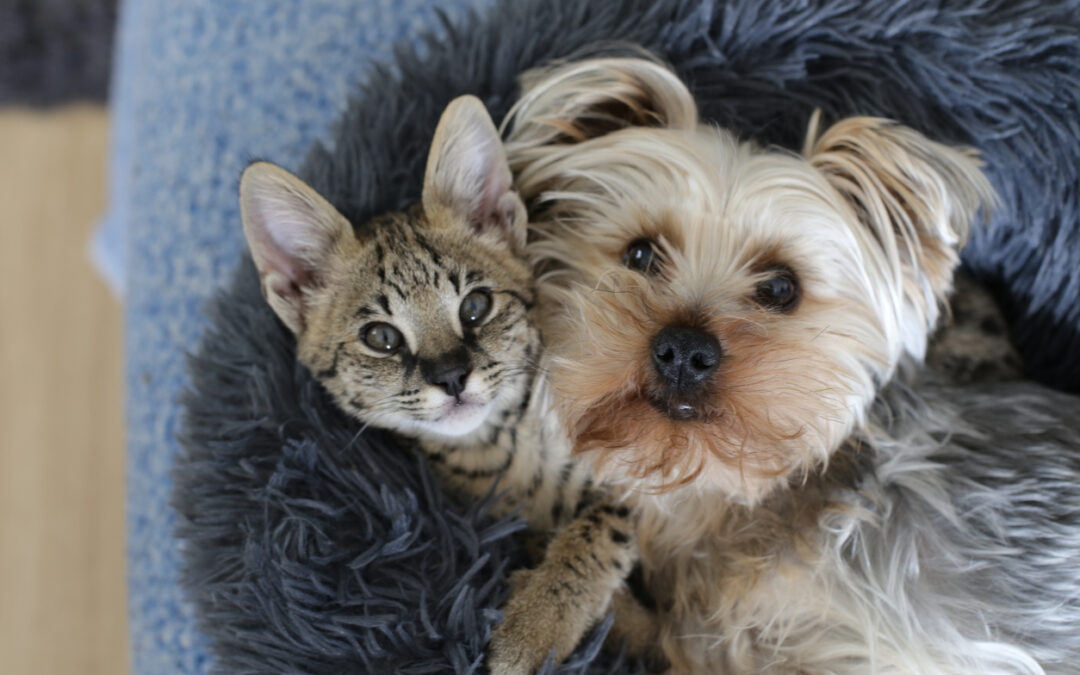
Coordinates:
(423, 243)
(405, 257)
(396, 288)
(380, 258)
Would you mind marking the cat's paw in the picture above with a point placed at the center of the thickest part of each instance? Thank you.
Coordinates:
(552, 607)
(538, 625)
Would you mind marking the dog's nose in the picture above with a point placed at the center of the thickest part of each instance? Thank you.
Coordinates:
(685, 357)
(449, 371)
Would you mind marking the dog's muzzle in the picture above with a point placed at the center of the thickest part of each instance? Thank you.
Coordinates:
(685, 360)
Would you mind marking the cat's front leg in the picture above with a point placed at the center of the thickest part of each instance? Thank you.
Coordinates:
(552, 606)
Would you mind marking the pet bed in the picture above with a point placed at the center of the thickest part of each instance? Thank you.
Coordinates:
(311, 547)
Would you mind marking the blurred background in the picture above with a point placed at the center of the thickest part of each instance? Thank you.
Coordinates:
(62, 592)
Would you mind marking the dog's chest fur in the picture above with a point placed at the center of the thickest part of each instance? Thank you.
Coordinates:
(732, 582)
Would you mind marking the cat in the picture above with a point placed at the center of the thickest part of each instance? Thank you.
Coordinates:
(424, 322)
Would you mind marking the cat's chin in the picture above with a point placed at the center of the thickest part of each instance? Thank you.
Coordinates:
(455, 421)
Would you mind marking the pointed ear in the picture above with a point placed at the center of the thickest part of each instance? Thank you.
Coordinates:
(467, 178)
(575, 101)
(918, 198)
(292, 232)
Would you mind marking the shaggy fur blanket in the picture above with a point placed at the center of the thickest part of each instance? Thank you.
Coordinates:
(310, 547)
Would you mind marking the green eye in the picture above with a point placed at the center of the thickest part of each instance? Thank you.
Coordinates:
(475, 307)
(382, 337)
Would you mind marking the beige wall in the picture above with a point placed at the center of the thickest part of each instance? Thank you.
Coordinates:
(62, 606)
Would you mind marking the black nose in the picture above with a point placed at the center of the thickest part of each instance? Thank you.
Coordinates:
(684, 357)
(449, 371)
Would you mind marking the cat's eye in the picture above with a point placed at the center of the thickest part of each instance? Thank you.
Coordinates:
(780, 291)
(382, 337)
(475, 307)
(641, 256)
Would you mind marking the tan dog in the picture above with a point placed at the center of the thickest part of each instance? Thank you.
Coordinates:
(723, 319)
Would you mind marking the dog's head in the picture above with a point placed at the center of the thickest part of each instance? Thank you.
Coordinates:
(725, 314)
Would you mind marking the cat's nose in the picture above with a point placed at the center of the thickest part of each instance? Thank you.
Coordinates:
(449, 371)
(452, 380)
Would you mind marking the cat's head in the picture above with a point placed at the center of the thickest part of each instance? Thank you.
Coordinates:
(419, 321)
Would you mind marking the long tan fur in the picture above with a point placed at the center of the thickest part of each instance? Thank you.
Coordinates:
(739, 501)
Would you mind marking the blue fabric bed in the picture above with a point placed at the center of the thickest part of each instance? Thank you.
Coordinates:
(203, 87)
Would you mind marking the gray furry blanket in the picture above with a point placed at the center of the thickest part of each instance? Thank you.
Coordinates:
(313, 548)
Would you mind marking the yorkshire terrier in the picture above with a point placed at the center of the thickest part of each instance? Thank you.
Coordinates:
(734, 337)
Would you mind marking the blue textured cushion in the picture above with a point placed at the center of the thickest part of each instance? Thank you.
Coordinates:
(201, 88)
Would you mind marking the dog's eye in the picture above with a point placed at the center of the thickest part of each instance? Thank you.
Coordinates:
(780, 292)
(475, 307)
(382, 337)
(641, 256)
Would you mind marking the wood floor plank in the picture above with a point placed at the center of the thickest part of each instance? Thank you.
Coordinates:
(62, 592)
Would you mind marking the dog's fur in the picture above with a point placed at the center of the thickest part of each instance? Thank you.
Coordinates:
(821, 508)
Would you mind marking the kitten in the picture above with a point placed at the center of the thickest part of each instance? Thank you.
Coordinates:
(422, 322)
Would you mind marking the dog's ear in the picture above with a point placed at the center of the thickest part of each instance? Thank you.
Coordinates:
(468, 180)
(292, 232)
(918, 198)
(575, 101)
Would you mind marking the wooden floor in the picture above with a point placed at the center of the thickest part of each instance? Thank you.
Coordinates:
(62, 604)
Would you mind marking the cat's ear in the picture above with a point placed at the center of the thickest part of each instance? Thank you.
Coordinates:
(292, 232)
(468, 180)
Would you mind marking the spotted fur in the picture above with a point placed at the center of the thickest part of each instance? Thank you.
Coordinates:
(383, 319)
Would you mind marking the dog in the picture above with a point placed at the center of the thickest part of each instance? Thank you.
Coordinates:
(734, 338)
